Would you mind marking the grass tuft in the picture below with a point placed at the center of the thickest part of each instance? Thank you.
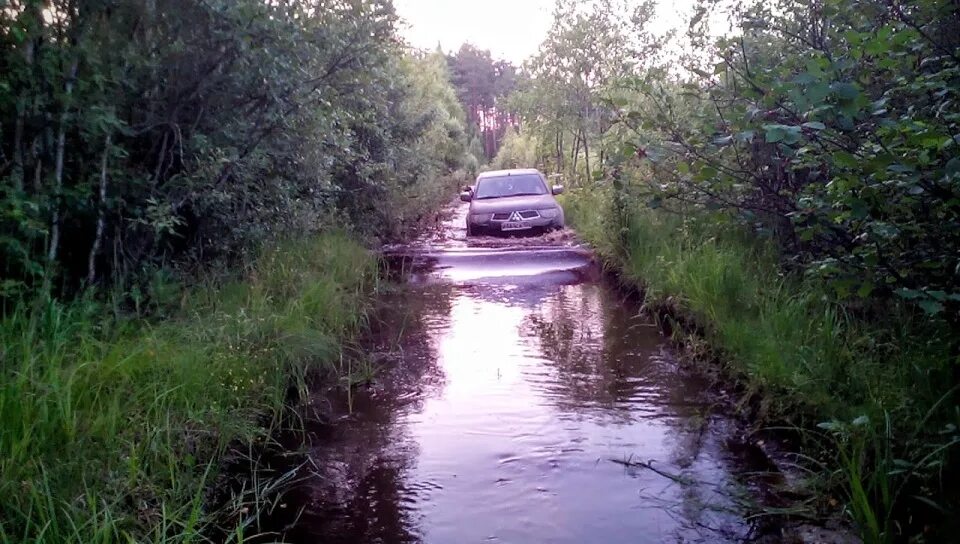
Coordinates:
(112, 429)
(879, 388)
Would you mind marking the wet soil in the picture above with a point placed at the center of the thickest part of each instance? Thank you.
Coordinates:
(519, 397)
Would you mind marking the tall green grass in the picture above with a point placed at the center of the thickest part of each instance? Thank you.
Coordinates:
(113, 429)
(877, 388)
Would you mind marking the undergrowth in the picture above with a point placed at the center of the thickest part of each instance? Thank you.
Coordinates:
(872, 395)
(112, 426)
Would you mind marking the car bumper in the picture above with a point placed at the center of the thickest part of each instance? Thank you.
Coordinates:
(537, 226)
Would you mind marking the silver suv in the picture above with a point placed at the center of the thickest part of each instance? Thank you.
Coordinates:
(508, 201)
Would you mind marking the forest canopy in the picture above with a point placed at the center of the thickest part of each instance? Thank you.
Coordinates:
(831, 126)
(134, 134)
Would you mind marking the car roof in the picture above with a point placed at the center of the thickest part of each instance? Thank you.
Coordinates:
(510, 172)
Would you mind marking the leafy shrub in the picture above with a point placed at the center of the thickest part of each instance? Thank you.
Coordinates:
(135, 134)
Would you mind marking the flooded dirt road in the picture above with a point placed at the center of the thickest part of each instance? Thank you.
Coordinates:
(519, 399)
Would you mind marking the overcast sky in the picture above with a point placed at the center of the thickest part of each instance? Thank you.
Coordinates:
(510, 29)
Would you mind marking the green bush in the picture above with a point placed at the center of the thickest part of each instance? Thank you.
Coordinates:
(135, 134)
(516, 151)
(876, 386)
(113, 429)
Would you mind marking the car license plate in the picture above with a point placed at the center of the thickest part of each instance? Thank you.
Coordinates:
(515, 225)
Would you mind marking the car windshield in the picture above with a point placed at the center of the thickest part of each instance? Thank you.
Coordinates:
(513, 185)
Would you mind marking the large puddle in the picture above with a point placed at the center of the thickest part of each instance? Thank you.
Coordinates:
(520, 399)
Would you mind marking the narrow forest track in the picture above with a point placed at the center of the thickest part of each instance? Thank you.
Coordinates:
(521, 398)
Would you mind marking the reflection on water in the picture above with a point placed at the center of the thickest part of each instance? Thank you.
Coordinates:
(500, 416)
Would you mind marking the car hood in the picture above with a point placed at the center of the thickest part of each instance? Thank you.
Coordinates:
(513, 203)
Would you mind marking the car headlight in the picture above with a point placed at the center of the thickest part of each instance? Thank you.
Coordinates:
(480, 217)
(549, 213)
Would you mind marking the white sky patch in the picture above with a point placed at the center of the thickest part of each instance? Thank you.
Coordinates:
(510, 29)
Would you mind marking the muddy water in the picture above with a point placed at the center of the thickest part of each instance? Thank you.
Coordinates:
(517, 393)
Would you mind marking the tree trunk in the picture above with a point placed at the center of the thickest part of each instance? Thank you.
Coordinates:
(19, 172)
(586, 155)
(58, 166)
(101, 215)
(153, 95)
(491, 140)
(601, 136)
(559, 151)
(37, 174)
(575, 156)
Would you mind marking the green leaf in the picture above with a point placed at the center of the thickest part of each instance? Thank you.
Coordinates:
(949, 142)
(847, 92)
(832, 426)
(845, 159)
(880, 44)
(782, 133)
(817, 93)
(793, 135)
(938, 295)
(901, 168)
(853, 37)
(859, 208)
(909, 294)
(707, 173)
(774, 133)
(931, 307)
(953, 166)
(814, 125)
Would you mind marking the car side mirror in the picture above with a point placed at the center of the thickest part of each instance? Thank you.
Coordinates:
(466, 196)
(558, 189)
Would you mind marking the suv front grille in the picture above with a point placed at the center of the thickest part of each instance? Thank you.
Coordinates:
(526, 214)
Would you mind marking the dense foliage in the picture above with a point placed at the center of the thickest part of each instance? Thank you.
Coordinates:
(136, 133)
(836, 129)
(826, 131)
(564, 91)
(832, 127)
